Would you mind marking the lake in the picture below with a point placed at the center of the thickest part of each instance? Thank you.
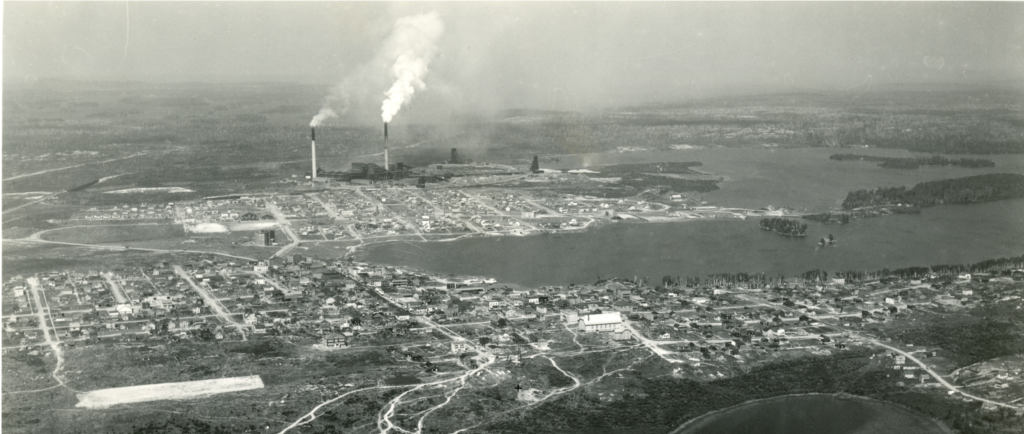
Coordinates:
(799, 178)
(947, 234)
(813, 414)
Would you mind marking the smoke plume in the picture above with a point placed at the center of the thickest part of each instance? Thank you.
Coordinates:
(412, 44)
(325, 113)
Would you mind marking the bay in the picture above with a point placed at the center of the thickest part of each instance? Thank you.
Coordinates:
(800, 178)
(947, 234)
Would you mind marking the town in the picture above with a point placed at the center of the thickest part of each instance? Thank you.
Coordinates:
(275, 275)
(709, 328)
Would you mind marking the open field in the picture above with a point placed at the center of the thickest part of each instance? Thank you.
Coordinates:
(156, 392)
(114, 234)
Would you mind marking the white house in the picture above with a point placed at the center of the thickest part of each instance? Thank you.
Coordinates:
(460, 347)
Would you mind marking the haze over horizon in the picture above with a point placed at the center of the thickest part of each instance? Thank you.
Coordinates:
(565, 56)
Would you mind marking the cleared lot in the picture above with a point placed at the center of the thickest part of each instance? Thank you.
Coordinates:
(154, 392)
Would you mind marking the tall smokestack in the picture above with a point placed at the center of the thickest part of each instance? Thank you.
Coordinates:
(386, 167)
(312, 134)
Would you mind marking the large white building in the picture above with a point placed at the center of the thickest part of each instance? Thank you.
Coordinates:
(461, 346)
(605, 322)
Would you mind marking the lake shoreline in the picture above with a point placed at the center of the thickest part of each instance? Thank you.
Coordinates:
(710, 416)
(955, 234)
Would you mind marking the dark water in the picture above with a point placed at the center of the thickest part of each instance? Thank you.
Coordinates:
(813, 414)
(950, 234)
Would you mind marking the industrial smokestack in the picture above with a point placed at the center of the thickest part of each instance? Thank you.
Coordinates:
(386, 167)
(312, 134)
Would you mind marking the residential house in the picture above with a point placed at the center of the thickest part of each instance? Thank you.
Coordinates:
(333, 340)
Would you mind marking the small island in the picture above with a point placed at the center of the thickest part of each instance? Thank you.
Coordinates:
(784, 226)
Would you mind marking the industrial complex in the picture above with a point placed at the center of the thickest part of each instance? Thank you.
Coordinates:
(365, 173)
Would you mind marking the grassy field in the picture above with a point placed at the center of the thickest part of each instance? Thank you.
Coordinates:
(115, 234)
(28, 259)
(160, 237)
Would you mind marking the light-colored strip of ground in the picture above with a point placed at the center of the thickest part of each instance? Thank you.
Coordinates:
(29, 203)
(45, 319)
(72, 167)
(115, 288)
(121, 248)
(154, 392)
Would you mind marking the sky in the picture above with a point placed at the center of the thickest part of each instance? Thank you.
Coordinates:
(526, 54)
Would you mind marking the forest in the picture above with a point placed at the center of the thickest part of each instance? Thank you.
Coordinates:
(829, 217)
(784, 226)
(967, 339)
(971, 189)
(843, 218)
(662, 404)
(914, 163)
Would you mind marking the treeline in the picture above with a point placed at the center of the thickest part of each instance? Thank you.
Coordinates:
(762, 280)
(914, 163)
(665, 167)
(640, 182)
(829, 217)
(980, 188)
(784, 226)
(994, 266)
(845, 217)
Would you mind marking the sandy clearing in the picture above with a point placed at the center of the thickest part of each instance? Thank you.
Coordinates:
(209, 228)
(206, 228)
(529, 395)
(154, 392)
(252, 226)
(151, 190)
